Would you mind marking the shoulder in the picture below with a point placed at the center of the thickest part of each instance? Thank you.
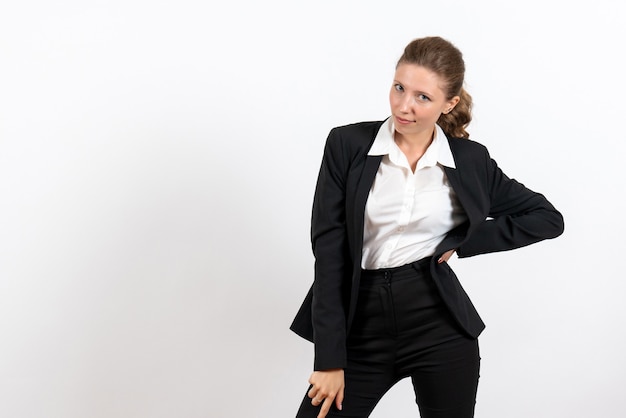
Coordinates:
(360, 127)
(467, 145)
(354, 138)
(467, 151)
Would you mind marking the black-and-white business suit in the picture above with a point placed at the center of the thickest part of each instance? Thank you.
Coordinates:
(502, 215)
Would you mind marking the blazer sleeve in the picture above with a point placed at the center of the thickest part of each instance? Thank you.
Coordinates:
(517, 217)
(332, 260)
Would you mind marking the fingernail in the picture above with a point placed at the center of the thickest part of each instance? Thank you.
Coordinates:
(440, 260)
(340, 406)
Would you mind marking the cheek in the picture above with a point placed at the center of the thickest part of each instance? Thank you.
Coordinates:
(431, 113)
(392, 100)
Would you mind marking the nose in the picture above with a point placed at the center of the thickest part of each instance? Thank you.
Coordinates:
(405, 104)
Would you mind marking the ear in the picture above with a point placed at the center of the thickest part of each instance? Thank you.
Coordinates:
(451, 103)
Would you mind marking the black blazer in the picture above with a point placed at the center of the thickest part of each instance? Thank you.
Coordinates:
(502, 215)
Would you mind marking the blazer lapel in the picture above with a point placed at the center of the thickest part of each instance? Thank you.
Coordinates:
(360, 198)
(463, 193)
(455, 181)
(372, 162)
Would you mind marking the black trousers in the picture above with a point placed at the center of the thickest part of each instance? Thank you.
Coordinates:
(402, 329)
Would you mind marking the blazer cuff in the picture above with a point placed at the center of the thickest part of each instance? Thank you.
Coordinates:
(330, 352)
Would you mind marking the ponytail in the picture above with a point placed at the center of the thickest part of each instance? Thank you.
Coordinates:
(455, 122)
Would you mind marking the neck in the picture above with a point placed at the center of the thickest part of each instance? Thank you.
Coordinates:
(415, 142)
(414, 146)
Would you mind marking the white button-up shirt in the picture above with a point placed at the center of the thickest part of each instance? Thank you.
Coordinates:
(408, 213)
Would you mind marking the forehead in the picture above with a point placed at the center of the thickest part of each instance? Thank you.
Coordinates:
(418, 78)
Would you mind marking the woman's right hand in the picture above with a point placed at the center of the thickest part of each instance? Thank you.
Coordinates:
(327, 387)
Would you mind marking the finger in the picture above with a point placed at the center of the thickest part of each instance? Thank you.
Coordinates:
(312, 392)
(445, 256)
(325, 408)
(317, 401)
(339, 400)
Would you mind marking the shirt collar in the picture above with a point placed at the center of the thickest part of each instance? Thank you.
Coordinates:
(438, 151)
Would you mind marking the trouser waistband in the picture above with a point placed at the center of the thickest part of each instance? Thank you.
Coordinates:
(422, 265)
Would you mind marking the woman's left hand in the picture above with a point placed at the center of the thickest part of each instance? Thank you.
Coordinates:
(446, 256)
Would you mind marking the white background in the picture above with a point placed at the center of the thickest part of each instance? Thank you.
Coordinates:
(157, 167)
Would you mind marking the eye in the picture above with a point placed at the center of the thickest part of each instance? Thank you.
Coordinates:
(423, 98)
(398, 87)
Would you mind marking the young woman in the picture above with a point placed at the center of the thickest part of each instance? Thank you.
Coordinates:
(394, 200)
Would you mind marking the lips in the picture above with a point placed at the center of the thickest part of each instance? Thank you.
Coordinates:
(403, 121)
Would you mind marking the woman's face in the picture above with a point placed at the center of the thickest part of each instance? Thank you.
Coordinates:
(417, 100)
